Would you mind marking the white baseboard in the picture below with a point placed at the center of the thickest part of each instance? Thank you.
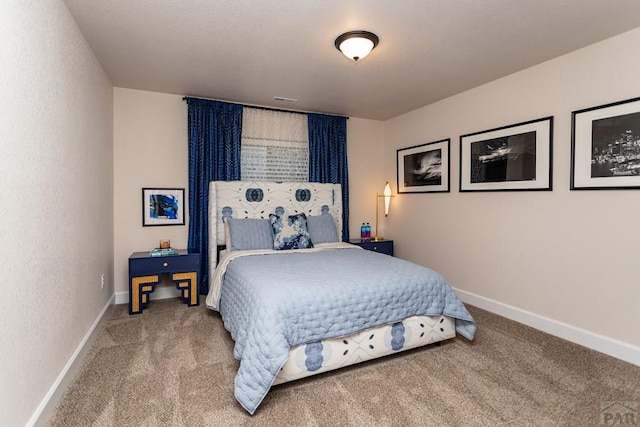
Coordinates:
(161, 292)
(612, 347)
(48, 404)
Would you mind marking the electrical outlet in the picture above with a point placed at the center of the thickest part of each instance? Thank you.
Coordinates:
(102, 281)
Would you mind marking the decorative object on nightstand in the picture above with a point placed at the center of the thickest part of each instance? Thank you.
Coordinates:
(163, 252)
(164, 249)
(146, 270)
(387, 201)
(365, 232)
(383, 246)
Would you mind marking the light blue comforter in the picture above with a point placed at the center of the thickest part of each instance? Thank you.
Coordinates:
(271, 303)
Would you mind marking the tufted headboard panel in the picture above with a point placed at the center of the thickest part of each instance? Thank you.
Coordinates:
(251, 199)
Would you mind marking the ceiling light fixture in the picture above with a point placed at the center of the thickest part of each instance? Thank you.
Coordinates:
(356, 44)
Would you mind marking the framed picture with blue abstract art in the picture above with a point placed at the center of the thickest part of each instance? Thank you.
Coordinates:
(162, 206)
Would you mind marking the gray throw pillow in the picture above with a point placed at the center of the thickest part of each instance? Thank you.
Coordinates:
(322, 228)
(250, 233)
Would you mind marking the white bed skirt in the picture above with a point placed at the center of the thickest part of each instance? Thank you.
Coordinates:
(311, 359)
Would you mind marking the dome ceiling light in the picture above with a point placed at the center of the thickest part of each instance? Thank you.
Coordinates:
(356, 45)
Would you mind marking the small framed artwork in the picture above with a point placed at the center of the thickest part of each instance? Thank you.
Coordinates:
(162, 206)
(605, 147)
(510, 158)
(424, 168)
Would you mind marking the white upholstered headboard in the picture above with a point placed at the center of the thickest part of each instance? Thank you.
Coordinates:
(251, 199)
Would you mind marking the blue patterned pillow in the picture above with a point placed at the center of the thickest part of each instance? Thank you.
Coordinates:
(290, 232)
(322, 228)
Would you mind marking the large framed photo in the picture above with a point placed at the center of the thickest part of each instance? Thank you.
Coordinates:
(510, 158)
(162, 206)
(424, 168)
(605, 147)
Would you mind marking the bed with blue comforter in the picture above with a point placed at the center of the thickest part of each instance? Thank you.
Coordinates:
(273, 301)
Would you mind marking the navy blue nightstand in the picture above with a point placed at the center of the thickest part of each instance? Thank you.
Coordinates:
(383, 246)
(145, 272)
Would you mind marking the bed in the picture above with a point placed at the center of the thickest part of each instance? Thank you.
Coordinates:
(296, 307)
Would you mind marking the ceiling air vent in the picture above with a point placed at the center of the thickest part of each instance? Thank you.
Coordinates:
(283, 99)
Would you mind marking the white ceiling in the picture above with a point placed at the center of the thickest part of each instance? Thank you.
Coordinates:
(249, 51)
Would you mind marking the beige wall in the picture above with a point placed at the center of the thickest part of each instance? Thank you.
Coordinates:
(366, 173)
(565, 256)
(57, 199)
(150, 150)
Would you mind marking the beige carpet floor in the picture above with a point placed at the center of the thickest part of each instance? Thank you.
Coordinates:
(173, 366)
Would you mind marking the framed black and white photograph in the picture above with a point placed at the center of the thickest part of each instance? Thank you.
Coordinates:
(509, 158)
(424, 168)
(162, 206)
(605, 147)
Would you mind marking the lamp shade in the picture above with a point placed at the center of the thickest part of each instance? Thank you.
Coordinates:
(387, 198)
(356, 45)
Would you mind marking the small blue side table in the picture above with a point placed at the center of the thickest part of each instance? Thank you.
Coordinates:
(383, 246)
(145, 272)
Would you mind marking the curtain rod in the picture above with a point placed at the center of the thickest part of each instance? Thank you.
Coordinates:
(258, 107)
